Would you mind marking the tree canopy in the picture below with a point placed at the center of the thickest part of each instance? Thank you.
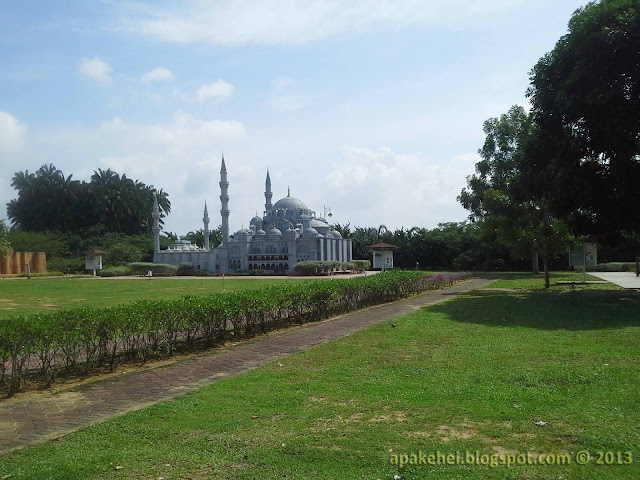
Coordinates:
(585, 95)
(509, 196)
(49, 200)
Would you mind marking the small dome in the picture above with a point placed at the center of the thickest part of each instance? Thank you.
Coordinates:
(310, 233)
(335, 233)
(275, 232)
(242, 231)
(318, 224)
(256, 220)
(289, 203)
(261, 232)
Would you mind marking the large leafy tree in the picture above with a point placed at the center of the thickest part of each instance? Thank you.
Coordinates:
(510, 196)
(586, 100)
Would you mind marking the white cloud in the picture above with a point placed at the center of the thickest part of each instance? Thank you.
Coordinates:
(12, 133)
(156, 74)
(290, 102)
(379, 186)
(216, 91)
(277, 22)
(95, 69)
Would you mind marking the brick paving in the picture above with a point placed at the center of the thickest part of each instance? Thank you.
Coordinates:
(48, 415)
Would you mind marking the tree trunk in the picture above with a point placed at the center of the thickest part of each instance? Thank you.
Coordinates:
(545, 264)
(534, 262)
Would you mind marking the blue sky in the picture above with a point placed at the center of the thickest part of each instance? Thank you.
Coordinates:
(373, 109)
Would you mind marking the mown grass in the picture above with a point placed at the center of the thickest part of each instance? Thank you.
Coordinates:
(447, 379)
(20, 296)
(529, 281)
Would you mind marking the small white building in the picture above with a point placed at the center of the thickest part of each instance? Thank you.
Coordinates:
(382, 256)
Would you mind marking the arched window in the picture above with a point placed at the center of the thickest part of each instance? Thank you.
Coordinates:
(255, 250)
(235, 250)
(270, 249)
(303, 249)
(284, 249)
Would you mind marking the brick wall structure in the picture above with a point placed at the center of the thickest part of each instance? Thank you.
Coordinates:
(16, 262)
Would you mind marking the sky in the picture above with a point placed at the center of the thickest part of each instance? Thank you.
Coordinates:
(372, 109)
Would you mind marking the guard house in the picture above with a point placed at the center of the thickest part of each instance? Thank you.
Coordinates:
(382, 256)
(93, 259)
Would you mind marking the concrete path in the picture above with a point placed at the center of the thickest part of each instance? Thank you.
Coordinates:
(46, 416)
(622, 279)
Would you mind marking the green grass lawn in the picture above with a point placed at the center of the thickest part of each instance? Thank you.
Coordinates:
(19, 296)
(529, 281)
(472, 374)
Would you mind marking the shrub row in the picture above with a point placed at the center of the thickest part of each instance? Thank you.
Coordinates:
(315, 267)
(114, 272)
(81, 340)
(360, 266)
(613, 267)
(141, 268)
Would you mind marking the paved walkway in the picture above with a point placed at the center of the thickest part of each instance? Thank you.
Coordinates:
(622, 279)
(51, 415)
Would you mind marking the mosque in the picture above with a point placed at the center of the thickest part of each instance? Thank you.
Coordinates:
(287, 233)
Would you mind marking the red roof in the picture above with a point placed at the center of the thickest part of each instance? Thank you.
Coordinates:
(95, 251)
(381, 246)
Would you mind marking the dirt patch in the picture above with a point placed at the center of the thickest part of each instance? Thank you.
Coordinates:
(390, 417)
(448, 433)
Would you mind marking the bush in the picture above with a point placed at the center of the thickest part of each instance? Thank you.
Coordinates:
(66, 265)
(613, 267)
(141, 268)
(50, 273)
(205, 273)
(186, 269)
(114, 272)
(320, 267)
(82, 340)
(360, 266)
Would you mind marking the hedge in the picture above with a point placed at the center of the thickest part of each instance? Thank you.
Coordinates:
(186, 269)
(613, 267)
(360, 266)
(114, 272)
(315, 267)
(83, 340)
(141, 268)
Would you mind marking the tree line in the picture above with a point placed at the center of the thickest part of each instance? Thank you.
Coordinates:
(48, 200)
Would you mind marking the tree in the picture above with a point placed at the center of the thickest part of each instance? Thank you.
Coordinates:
(508, 195)
(586, 98)
(47, 200)
(4, 242)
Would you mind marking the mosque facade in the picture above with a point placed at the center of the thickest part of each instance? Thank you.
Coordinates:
(287, 233)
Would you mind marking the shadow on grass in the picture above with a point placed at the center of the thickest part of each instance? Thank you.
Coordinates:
(548, 310)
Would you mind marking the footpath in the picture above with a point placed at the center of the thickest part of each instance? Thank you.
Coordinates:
(45, 416)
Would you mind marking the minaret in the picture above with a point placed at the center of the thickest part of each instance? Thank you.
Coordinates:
(156, 225)
(205, 220)
(267, 193)
(224, 199)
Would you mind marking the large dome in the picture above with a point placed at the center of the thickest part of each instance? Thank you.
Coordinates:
(290, 203)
